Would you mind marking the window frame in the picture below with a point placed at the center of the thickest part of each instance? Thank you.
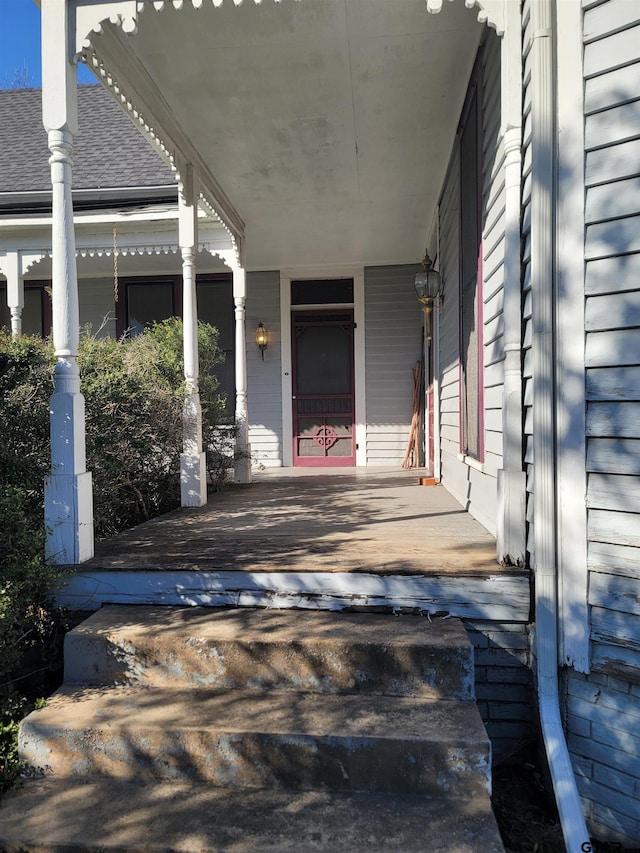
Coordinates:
(202, 280)
(122, 303)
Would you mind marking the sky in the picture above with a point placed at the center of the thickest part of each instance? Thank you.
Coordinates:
(20, 46)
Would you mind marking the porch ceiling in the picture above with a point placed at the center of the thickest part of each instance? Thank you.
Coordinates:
(328, 123)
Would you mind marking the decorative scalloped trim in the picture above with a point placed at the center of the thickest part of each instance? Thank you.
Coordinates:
(44, 253)
(159, 5)
(34, 255)
(490, 12)
(164, 249)
(94, 17)
(218, 253)
(111, 82)
(107, 251)
(102, 251)
(205, 203)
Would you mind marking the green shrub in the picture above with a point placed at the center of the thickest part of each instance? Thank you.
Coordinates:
(132, 431)
(25, 387)
(25, 582)
(31, 628)
(133, 391)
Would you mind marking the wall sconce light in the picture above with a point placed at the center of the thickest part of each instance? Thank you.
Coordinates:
(428, 285)
(262, 338)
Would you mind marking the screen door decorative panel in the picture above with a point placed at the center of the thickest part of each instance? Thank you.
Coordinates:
(323, 398)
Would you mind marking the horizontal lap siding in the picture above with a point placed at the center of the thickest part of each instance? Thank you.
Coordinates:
(493, 226)
(393, 342)
(263, 377)
(603, 715)
(612, 281)
(475, 486)
(97, 307)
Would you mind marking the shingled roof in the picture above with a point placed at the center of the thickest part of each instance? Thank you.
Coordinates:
(109, 151)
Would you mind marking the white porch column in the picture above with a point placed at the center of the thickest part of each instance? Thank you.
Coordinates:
(193, 469)
(243, 449)
(68, 503)
(15, 291)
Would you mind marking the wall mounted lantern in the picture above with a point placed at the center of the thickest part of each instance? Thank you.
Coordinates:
(262, 338)
(428, 285)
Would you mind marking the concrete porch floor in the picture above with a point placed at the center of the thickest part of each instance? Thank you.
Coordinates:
(355, 520)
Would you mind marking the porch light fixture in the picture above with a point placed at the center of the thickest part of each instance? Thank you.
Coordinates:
(428, 285)
(428, 282)
(262, 338)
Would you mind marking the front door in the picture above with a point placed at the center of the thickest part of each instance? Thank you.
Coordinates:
(323, 398)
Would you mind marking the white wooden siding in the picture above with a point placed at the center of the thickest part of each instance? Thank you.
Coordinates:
(475, 485)
(611, 559)
(263, 377)
(615, 274)
(393, 345)
(493, 226)
(601, 707)
(612, 286)
(614, 492)
(614, 383)
(97, 306)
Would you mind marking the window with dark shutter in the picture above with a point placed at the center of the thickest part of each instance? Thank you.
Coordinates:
(36, 312)
(144, 301)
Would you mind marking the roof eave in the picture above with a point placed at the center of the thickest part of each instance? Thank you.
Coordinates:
(87, 199)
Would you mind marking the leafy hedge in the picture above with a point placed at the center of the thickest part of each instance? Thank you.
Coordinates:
(31, 629)
(133, 392)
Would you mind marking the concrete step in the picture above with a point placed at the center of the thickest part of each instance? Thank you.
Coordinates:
(190, 729)
(114, 816)
(301, 650)
(250, 738)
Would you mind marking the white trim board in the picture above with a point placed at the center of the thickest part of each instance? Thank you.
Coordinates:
(570, 305)
(499, 598)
